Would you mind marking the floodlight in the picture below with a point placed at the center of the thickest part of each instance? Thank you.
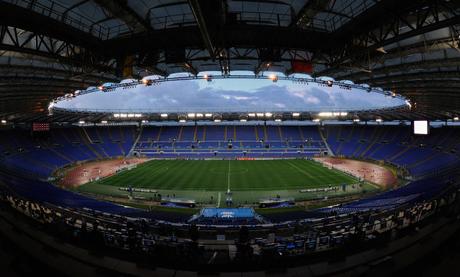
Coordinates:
(207, 77)
(208, 115)
(295, 114)
(325, 114)
(164, 115)
(273, 77)
(104, 121)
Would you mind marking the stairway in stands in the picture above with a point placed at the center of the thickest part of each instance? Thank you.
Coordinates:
(87, 141)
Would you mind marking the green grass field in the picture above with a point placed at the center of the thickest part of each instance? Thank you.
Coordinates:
(220, 175)
(207, 181)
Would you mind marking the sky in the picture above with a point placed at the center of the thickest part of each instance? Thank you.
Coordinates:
(231, 95)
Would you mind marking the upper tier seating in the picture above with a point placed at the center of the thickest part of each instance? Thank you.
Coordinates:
(40, 155)
(420, 155)
(230, 141)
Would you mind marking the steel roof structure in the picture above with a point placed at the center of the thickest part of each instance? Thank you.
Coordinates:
(52, 47)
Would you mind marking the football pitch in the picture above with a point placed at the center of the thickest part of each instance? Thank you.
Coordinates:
(209, 180)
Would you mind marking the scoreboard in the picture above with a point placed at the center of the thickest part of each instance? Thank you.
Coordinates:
(421, 127)
(40, 127)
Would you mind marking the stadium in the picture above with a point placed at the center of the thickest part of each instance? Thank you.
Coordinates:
(229, 138)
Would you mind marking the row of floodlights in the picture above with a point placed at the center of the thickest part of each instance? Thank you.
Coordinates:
(210, 115)
(217, 120)
(127, 115)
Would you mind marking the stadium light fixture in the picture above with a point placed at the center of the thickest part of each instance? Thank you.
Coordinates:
(137, 115)
(379, 120)
(273, 77)
(295, 114)
(101, 88)
(182, 120)
(330, 114)
(104, 122)
(456, 118)
(145, 121)
(164, 115)
(116, 115)
(217, 120)
(207, 77)
(408, 104)
(51, 105)
(147, 82)
(131, 115)
(316, 120)
(208, 115)
(260, 114)
(191, 115)
(251, 114)
(199, 115)
(3, 121)
(123, 115)
(268, 114)
(278, 120)
(243, 120)
(81, 122)
(329, 83)
(356, 120)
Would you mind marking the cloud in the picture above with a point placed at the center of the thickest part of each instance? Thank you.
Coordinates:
(191, 96)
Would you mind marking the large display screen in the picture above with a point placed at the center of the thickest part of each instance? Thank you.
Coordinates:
(40, 127)
(421, 127)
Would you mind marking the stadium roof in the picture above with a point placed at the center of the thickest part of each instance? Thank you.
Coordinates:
(52, 47)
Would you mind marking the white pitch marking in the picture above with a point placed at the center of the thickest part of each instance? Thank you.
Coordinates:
(228, 177)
